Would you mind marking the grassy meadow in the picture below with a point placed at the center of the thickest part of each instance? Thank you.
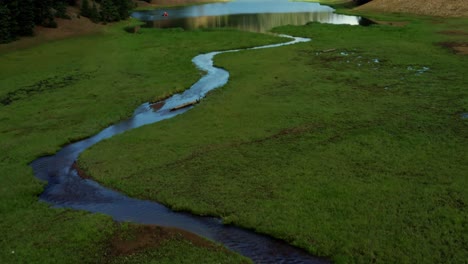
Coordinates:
(57, 92)
(351, 146)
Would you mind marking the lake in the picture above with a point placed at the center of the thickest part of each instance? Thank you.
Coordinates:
(253, 15)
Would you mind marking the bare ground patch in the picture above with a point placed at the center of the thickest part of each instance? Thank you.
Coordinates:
(442, 8)
(456, 47)
(454, 32)
(142, 237)
(391, 23)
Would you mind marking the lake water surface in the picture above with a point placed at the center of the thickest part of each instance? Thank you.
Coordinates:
(248, 15)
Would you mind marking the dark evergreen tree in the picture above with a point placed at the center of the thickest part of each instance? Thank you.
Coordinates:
(85, 10)
(109, 11)
(42, 13)
(361, 2)
(14, 11)
(25, 19)
(123, 7)
(61, 9)
(5, 28)
(94, 14)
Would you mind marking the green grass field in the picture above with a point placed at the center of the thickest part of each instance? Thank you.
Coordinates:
(357, 153)
(58, 92)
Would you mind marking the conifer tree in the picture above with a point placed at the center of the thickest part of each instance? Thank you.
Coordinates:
(94, 13)
(25, 19)
(123, 7)
(42, 13)
(85, 10)
(5, 29)
(109, 11)
(13, 10)
(361, 2)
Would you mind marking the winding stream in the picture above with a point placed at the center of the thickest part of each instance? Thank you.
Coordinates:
(67, 189)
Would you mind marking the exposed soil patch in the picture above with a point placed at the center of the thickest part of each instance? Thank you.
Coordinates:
(454, 32)
(80, 172)
(139, 238)
(77, 25)
(456, 47)
(443, 8)
(157, 105)
(391, 23)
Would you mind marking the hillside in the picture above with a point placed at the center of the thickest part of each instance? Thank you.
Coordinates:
(446, 8)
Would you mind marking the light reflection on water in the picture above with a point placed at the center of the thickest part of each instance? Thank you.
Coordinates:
(256, 15)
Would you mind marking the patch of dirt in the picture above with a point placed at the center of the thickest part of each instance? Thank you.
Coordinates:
(157, 106)
(143, 237)
(463, 50)
(77, 25)
(442, 8)
(391, 23)
(80, 172)
(456, 47)
(454, 32)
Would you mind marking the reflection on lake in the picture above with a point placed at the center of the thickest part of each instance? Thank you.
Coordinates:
(255, 15)
(253, 22)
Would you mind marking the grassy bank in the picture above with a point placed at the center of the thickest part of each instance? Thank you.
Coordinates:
(351, 146)
(60, 91)
(338, 4)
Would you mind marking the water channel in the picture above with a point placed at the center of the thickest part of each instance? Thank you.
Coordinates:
(67, 189)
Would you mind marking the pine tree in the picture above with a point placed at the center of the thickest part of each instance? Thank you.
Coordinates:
(5, 29)
(123, 7)
(109, 11)
(14, 11)
(25, 19)
(361, 2)
(61, 7)
(42, 13)
(94, 14)
(85, 10)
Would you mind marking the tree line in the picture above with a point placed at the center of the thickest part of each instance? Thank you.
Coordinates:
(18, 17)
(106, 10)
(361, 2)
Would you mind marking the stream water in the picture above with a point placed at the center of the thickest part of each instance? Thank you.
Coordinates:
(67, 189)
